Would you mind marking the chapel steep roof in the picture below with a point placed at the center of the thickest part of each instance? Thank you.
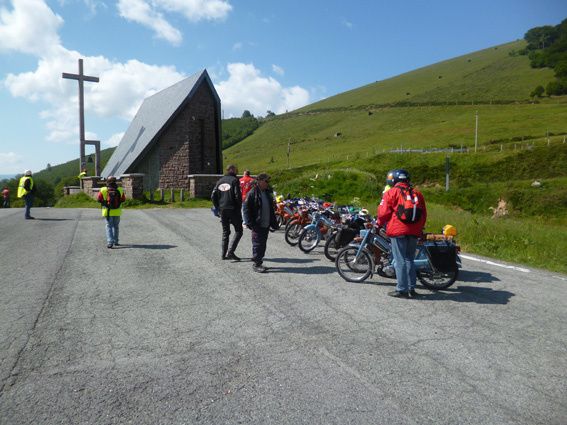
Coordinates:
(153, 117)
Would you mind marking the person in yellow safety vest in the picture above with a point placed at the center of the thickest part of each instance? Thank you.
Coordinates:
(82, 174)
(26, 190)
(389, 181)
(111, 198)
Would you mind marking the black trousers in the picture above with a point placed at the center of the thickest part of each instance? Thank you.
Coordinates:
(229, 217)
(259, 241)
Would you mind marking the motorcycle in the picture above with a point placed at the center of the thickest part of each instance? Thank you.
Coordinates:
(436, 259)
(311, 234)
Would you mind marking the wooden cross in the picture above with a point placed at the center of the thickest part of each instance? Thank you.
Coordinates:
(82, 78)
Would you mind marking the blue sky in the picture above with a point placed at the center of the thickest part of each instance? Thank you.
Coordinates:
(262, 55)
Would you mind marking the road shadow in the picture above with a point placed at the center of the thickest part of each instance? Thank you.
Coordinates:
(302, 270)
(469, 294)
(157, 246)
(53, 219)
(290, 260)
(479, 277)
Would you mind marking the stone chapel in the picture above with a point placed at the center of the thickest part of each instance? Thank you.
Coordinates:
(175, 133)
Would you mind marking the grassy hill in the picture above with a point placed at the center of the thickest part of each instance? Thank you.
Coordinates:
(438, 112)
(497, 74)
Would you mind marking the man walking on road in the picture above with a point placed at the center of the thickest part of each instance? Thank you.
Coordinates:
(403, 210)
(260, 216)
(227, 199)
(111, 198)
(26, 189)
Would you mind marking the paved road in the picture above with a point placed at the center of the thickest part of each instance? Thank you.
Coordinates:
(161, 331)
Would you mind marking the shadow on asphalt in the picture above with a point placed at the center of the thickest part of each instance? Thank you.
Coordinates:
(290, 260)
(54, 219)
(472, 276)
(470, 294)
(302, 270)
(146, 246)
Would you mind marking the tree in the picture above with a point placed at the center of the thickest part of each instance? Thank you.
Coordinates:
(556, 88)
(270, 114)
(247, 114)
(541, 37)
(48, 168)
(561, 69)
(538, 91)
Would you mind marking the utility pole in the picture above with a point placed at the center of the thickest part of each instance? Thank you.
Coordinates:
(476, 132)
(447, 170)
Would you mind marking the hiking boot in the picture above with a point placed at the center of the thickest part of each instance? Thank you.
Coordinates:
(258, 268)
(397, 294)
(109, 246)
(413, 293)
(232, 256)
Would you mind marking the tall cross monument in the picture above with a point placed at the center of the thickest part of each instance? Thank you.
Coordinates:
(82, 78)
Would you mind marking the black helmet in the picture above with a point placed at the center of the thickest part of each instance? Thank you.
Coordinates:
(390, 178)
(401, 176)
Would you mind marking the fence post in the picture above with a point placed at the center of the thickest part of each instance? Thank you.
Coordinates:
(182, 195)
(172, 197)
(161, 195)
(151, 195)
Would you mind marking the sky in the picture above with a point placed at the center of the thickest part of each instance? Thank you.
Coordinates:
(262, 55)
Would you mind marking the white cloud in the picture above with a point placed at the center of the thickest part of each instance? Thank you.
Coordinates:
(141, 12)
(197, 10)
(10, 163)
(237, 46)
(113, 140)
(278, 70)
(122, 86)
(30, 27)
(150, 13)
(247, 89)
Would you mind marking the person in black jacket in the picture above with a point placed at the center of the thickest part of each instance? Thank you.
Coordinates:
(260, 216)
(227, 199)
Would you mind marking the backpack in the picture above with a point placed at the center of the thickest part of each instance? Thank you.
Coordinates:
(113, 198)
(408, 209)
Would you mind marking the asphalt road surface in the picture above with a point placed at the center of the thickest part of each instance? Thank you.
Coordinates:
(161, 331)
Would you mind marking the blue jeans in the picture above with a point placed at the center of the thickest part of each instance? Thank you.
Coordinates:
(28, 199)
(403, 250)
(112, 230)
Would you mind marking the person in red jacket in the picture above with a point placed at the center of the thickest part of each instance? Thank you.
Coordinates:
(246, 183)
(403, 210)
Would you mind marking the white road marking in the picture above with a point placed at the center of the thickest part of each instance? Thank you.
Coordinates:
(492, 263)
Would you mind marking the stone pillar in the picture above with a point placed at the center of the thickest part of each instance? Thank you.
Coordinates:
(91, 185)
(201, 185)
(133, 185)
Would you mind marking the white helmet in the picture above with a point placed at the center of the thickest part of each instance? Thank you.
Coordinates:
(27, 173)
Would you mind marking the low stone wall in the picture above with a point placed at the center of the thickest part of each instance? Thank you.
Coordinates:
(201, 185)
(91, 185)
(133, 185)
(71, 190)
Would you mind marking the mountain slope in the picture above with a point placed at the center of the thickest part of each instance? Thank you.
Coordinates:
(494, 74)
(438, 112)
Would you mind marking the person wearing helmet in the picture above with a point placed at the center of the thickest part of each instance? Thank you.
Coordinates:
(403, 210)
(26, 190)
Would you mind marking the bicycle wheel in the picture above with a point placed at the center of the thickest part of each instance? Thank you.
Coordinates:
(292, 233)
(352, 269)
(331, 247)
(309, 239)
(438, 280)
(280, 220)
